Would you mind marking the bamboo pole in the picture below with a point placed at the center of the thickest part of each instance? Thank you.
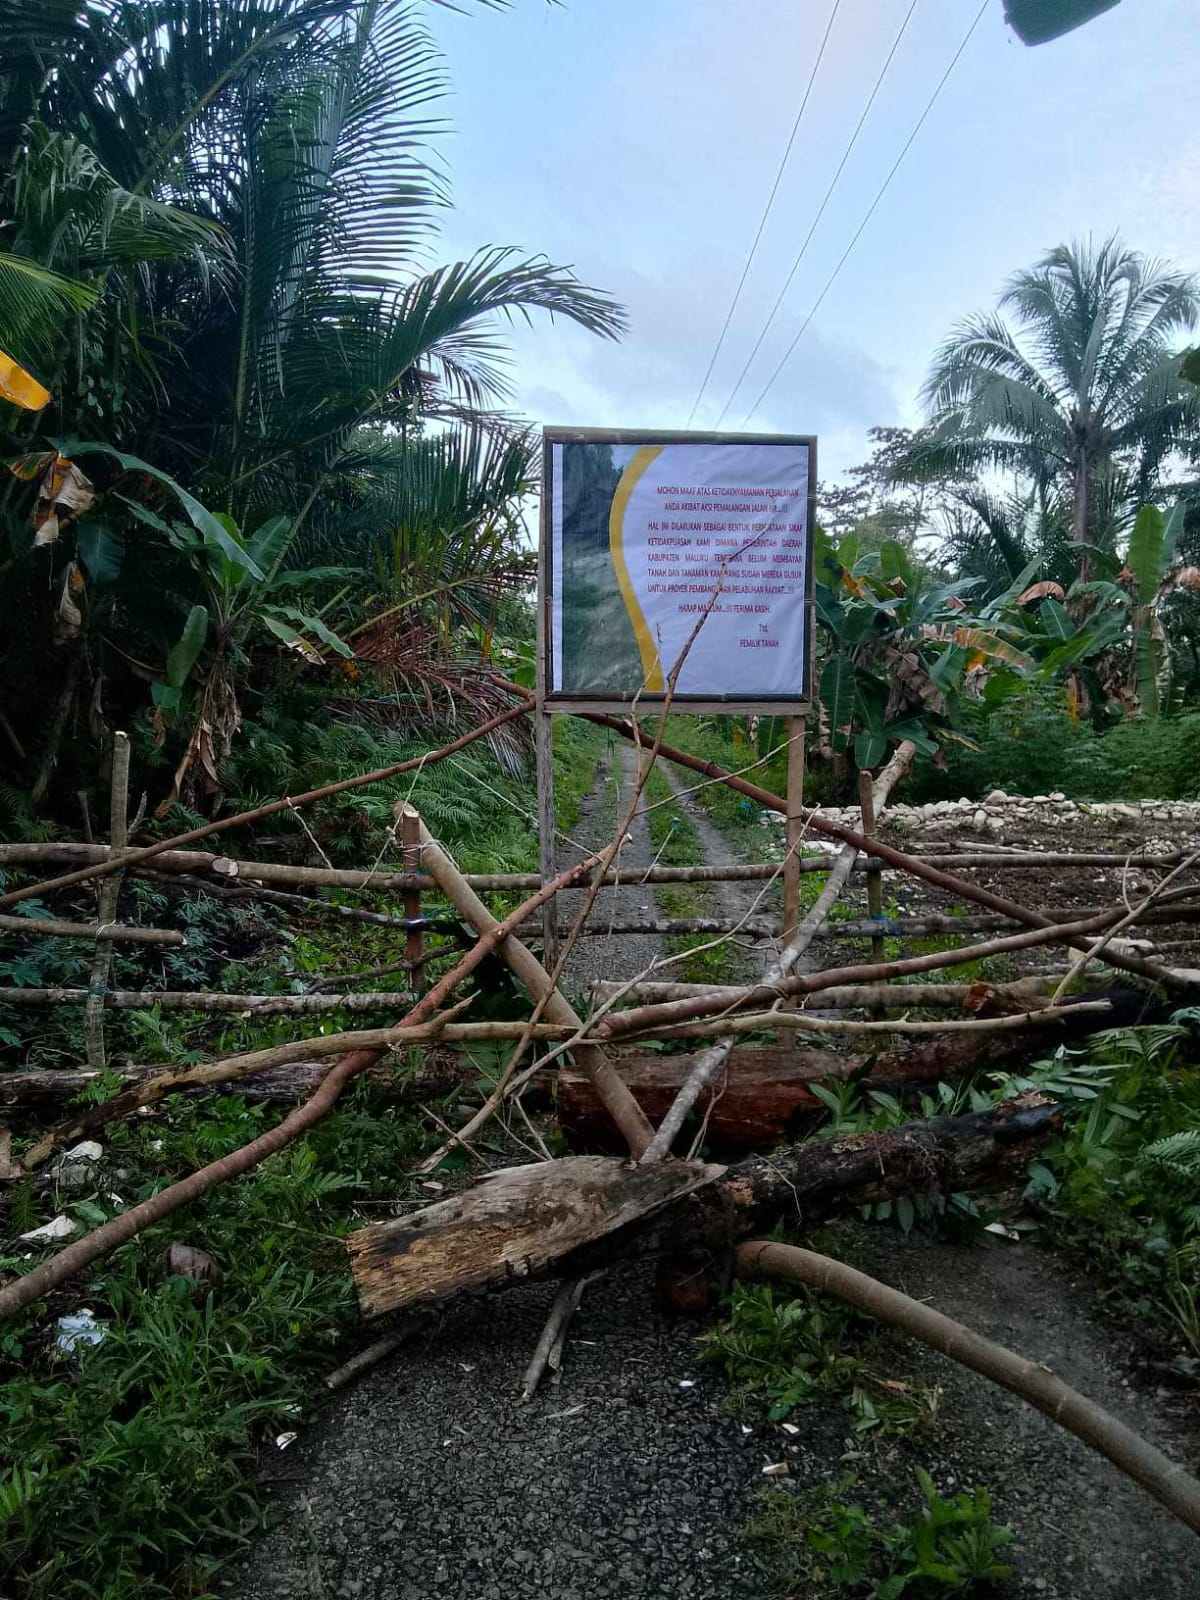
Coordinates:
(414, 944)
(107, 900)
(55, 928)
(1162, 1478)
(866, 804)
(797, 729)
(263, 1005)
(251, 874)
(909, 996)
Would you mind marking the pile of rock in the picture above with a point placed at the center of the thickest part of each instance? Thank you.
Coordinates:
(999, 813)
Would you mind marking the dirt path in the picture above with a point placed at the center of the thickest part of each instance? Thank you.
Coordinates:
(621, 955)
(630, 1478)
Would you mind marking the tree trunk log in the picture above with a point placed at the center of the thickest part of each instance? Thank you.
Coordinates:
(573, 1215)
(765, 1095)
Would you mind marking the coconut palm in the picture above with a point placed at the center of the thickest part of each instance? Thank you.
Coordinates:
(1083, 392)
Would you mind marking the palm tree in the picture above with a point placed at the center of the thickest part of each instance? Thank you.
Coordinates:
(246, 192)
(1083, 396)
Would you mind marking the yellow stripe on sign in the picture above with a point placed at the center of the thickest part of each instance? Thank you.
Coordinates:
(652, 671)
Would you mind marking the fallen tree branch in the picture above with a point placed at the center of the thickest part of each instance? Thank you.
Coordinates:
(1170, 1484)
(577, 1214)
(548, 1351)
(709, 1064)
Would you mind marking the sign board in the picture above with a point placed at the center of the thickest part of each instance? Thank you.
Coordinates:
(645, 534)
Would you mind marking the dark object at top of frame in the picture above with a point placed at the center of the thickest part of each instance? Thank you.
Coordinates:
(1039, 21)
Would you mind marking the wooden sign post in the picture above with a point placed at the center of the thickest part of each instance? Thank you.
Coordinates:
(642, 536)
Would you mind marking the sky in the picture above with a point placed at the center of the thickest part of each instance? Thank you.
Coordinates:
(637, 140)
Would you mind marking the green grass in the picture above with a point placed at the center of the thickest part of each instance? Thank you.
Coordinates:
(818, 1543)
(135, 1456)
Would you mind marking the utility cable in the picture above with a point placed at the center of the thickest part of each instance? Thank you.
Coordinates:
(871, 209)
(833, 183)
(762, 222)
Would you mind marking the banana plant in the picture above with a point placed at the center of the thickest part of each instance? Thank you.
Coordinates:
(247, 592)
(900, 645)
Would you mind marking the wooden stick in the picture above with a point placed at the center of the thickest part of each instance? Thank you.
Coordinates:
(1137, 914)
(54, 928)
(710, 1062)
(549, 1348)
(1125, 960)
(805, 1022)
(640, 1018)
(853, 996)
(243, 819)
(202, 1000)
(866, 805)
(109, 896)
(414, 944)
(795, 825)
(623, 1108)
(388, 879)
(1162, 1478)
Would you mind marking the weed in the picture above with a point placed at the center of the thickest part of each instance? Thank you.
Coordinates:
(820, 1543)
(793, 1350)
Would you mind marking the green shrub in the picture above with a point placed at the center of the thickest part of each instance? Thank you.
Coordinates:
(1031, 746)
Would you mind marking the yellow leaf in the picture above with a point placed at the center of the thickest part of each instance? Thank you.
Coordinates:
(19, 387)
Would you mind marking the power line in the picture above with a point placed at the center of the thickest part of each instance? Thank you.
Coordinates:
(762, 222)
(883, 188)
(833, 182)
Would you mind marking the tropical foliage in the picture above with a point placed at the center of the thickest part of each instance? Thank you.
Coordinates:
(1082, 399)
(267, 405)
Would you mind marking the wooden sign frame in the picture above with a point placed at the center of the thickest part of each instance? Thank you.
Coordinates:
(733, 705)
(794, 708)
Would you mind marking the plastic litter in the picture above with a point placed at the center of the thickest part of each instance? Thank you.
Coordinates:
(80, 1327)
(59, 1227)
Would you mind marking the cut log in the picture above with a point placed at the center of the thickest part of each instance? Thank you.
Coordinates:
(765, 1095)
(578, 1214)
(514, 1224)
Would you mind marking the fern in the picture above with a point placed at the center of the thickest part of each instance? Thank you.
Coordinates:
(1177, 1155)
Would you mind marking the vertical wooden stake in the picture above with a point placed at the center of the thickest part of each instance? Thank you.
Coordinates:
(544, 735)
(414, 944)
(866, 801)
(796, 728)
(110, 891)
